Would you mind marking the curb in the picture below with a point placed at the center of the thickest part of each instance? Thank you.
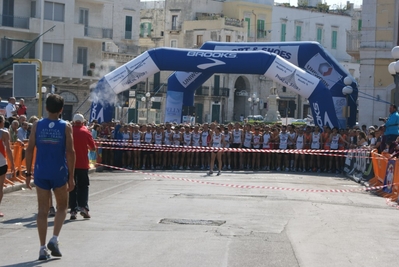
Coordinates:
(19, 186)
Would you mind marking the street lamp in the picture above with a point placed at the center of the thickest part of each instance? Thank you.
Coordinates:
(347, 90)
(393, 69)
(43, 90)
(147, 99)
(253, 100)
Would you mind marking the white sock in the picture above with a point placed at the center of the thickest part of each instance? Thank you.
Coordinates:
(42, 247)
(54, 239)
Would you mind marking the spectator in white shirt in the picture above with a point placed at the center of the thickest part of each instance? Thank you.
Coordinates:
(11, 109)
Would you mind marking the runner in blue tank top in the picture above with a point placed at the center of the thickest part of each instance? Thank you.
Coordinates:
(55, 155)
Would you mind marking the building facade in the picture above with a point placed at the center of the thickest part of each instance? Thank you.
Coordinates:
(89, 37)
(310, 24)
(93, 37)
(378, 36)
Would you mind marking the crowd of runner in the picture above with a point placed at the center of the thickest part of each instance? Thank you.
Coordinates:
(268, 139)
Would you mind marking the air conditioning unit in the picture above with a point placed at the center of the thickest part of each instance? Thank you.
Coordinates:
(111, 47)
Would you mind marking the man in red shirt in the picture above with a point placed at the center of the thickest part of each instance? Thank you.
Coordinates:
(21, 109)
(82, 141)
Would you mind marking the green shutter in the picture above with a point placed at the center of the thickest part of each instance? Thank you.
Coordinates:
(149, 28)
(334, 40)
(319, 35)
(157, 81)
(283, 27)
(128, 27)
(249, 25)
(141, 29)
(128, 24)
(260, 29)
(359, 25)
(298, 33)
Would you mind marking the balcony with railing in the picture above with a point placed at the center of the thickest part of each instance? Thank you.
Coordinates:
(227, 21)
(233, 22)
(353, 43)
(14, 22)
(99, 33)
(82, 31)
(175, 28)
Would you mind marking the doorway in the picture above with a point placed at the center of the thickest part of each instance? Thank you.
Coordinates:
(199, 109)
(215, 113)
(82, 59)
(241, 93)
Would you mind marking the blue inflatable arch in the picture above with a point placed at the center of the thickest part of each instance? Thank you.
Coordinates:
(309, 56)
(206, 62)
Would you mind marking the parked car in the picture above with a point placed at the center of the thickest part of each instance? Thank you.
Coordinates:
(255, 118)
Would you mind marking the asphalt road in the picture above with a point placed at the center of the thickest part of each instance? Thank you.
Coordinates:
(149, 220)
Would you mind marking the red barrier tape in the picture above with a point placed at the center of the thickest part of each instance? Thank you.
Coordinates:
(170, 148)
(392, 204)
(250, 186)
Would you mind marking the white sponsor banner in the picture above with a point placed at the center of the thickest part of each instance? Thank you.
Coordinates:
(186, 78)
(115, 77)
(292, 77)
(323, 70)
(131, 73)
(173, 108)
(289, 53)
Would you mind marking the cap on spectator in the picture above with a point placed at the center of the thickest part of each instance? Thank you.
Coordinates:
(78, 117)
(371, 128)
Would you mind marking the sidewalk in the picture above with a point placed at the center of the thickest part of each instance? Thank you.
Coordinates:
(20, 186)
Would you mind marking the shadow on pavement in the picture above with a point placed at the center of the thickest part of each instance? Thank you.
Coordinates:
(30, 222)
(32, 263)
(21, 220)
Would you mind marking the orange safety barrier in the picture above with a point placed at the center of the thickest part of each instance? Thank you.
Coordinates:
(18, 153)
(380, 162)
(386, 171)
